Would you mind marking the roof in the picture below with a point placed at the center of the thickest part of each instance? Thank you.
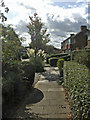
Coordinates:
(67, 39)
(83, 31)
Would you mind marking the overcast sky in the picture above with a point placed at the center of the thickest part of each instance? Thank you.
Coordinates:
(60, 17)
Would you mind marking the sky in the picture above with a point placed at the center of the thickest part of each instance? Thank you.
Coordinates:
(61, 18)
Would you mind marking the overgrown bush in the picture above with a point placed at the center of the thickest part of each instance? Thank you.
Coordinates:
(77, 80)
(82, 57)
(11, 75)
(13, 70)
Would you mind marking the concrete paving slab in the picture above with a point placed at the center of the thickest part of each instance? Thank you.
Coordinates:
(59, 116)
(54, 104)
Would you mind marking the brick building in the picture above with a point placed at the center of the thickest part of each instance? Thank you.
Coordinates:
(76, 41)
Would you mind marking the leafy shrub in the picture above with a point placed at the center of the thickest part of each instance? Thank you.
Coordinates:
(11, 75)
(38, 63)
(60, 64)
(82, 57)
(76, 80)
(7, 88)
(28, 71)
(53, 61)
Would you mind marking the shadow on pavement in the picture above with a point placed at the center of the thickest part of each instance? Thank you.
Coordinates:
(50, 77)
(17, 111)
(36, 96)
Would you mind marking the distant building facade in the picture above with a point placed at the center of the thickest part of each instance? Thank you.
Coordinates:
(76, 41)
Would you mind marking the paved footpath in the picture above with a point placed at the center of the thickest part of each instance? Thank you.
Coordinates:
(46, 101)
(51, 99)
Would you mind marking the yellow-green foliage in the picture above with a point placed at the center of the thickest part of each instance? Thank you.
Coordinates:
(60, 64)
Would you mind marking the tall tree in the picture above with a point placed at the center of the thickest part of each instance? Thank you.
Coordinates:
(39, 35)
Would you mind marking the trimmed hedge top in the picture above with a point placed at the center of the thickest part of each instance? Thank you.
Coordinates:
(58, 55)
(55, 55)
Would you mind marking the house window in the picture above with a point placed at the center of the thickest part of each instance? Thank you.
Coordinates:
(73, 41)
(69, 41)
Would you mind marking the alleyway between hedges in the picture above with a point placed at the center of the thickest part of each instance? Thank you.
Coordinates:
(47, 99)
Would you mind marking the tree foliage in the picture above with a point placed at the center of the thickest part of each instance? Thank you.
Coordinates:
(6, 9)
(11, 44)
(39, 35)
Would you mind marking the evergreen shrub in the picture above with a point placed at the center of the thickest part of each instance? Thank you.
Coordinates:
(38, 63)
(28, 71)
(60, 64)
(76, 80)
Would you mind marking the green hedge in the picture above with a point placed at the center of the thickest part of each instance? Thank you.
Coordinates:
(66, 58)
(77, 80)
(58, 55)
(55, 55)
(82, 57)
(53, 60)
